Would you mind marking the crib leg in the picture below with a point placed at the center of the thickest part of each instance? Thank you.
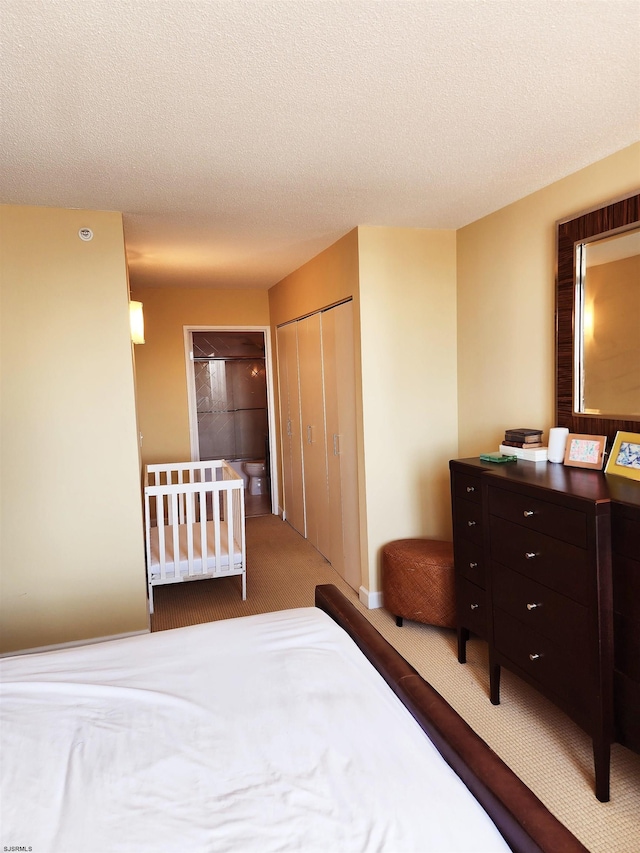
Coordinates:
(244, 586)
(150, 598)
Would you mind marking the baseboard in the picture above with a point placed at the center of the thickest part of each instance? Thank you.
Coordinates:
(371, 600)
(72, 644)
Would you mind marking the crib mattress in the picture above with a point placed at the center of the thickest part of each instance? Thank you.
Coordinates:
(183, 559)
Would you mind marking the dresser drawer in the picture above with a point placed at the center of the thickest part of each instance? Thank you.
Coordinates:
(626, 588)
(553, 667)
(469, 560)
(541, 609)
(468, 487)
(625, 536)
(560, 522)
(626, 701)
(468, 520)
(471, 605)
(626, 647)
(558, 565)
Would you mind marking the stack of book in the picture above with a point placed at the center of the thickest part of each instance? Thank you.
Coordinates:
(525, 444)
(522, 437)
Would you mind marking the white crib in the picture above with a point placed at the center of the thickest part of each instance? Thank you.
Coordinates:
(194, 523)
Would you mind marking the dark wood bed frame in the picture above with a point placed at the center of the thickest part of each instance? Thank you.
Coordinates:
(525, 823)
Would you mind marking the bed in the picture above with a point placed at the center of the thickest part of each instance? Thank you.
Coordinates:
(194, 523)
(301, 730)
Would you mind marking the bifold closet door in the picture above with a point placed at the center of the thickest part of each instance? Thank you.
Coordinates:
(290, 427)
(340, 416)
(314, 455)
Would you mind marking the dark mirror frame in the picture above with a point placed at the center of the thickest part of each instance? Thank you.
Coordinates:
(587, 226)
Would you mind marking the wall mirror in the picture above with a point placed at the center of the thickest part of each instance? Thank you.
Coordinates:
(607, 326)
(598, 320)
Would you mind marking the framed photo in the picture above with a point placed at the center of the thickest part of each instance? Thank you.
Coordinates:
(624, 459)
(585, 451)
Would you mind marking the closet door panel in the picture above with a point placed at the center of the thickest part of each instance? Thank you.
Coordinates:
(314, 454)
(290, 427)
(339, 380)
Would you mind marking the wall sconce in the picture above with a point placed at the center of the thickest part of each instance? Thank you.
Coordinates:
(588, 321)
(136, 322)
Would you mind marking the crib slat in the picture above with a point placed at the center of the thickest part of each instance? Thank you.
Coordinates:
(216, 529)
(203, 531)
(188, 526)
(162, 551)
(175, 531)
(228, 514)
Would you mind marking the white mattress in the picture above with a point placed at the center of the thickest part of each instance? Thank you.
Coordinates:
(264, 733)
(210, 561)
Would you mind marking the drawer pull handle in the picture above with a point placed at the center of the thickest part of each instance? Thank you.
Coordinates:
(475, 606)
(533, 606)
(530, 555)
(473, 565)
(528, 513)
(535, 656)
(471, 488)
(471, 523)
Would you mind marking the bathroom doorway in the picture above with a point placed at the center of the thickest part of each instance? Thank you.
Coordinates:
(231, 406)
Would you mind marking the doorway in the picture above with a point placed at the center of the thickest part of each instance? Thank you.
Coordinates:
(231, 406)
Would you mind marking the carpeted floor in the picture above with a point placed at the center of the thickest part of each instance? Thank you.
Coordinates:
(549, 752)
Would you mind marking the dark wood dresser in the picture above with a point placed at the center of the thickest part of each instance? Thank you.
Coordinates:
(547, 554)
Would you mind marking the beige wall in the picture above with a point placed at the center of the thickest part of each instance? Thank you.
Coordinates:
(506, 302)
(161, 378)
(408, 322)
(72, 539)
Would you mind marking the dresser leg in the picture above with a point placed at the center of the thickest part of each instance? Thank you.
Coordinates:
(602, 765)
(494, 683)
(463, 636)
(399, 621)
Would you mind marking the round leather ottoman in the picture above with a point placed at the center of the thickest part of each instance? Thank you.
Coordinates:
(418, 581)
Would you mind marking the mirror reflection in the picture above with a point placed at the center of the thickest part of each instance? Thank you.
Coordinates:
(608, 326)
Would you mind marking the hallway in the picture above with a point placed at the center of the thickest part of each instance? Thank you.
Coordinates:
(256, 504)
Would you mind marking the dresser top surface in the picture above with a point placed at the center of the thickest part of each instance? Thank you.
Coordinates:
(555, 477)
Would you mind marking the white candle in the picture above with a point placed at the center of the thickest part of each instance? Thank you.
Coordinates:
(557, 444)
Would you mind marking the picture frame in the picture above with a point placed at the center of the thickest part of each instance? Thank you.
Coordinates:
(585, 451)
(624, 458)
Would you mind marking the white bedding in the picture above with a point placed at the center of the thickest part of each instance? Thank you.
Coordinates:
(183, 559)
(266, 733)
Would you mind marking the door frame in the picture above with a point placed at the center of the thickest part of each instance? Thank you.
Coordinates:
(192, 404)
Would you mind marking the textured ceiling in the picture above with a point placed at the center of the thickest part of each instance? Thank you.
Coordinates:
(239, 139)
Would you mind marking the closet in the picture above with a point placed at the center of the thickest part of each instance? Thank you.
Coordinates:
(316, 374)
